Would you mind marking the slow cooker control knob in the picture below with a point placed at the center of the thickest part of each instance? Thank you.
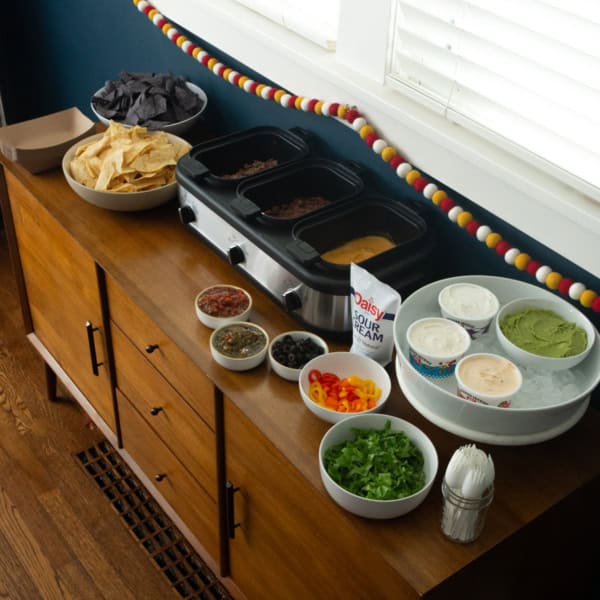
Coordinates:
(292, 300)
(186, 214)
(236, 255)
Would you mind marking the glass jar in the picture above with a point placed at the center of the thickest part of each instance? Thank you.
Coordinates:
(463, 518)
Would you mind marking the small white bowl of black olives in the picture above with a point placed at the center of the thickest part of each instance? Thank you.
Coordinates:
(290, 351)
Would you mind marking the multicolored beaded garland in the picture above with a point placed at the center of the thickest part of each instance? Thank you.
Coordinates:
(350, 116)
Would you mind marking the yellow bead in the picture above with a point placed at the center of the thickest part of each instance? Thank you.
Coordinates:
(388, 153)
(365, 130)
(226, 72)
(165, 28)
(587, 298)
(438, 196)
(492, 240)
(553, 279)
(412, 176)
(151, 13)
(211, 63)
(298, 102)
(136, 2)
(180, 40)
(278, 94)
(242, 80)
(342, 110)
(319, 107)
(463, 218)
(196, 51)
(522, 260)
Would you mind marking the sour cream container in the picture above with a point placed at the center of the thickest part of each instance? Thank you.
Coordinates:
(470, 305)
(436, 345)
(488, 379)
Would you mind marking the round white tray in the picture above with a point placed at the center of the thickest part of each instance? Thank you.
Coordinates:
(526, 421)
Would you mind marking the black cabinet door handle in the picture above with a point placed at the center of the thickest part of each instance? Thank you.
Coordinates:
(160, 477)
(230, 490)
(92, 344)
(155, 410)
(150, 348)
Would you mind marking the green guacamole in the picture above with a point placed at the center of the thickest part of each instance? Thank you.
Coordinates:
(544, 333)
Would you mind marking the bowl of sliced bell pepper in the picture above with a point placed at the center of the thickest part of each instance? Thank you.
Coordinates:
(338, 385)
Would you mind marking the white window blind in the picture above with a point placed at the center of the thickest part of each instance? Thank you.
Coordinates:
(524, 73)
(316, 20)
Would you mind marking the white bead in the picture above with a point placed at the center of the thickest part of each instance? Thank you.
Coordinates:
(231, 76)
(284, 100)
(247, 84)
(429, 190)
(304, 104)
(379, 145)
(265, 92)
(511, 254)
(358, 123)
(575, 290)
(171, 32)
(325, 109)
(403, 170)
(542, 273)
(454, 212)
(185, 46)
(216, 67)
(156, 18)
(142, 5)
(482, 232)
(201, 55)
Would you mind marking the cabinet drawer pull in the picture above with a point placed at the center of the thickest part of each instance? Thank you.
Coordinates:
(155, 410)
(160, 476)
(90, 335)
(230, 490)
(150, 348)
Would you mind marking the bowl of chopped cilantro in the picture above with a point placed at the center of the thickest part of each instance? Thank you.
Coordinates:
(377, 466)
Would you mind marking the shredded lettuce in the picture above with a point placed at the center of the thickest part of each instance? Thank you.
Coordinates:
(377, 464)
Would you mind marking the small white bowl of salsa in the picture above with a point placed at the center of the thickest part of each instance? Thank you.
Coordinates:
(221, 304)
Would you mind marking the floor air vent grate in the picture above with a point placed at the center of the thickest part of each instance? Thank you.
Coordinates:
(171, 554)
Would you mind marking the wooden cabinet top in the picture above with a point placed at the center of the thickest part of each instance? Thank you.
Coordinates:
(162, 267)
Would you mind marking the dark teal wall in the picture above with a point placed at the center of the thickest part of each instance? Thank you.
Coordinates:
(68, 49)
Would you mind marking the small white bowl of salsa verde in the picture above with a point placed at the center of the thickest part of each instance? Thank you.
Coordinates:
(221, 304)
(239, 346)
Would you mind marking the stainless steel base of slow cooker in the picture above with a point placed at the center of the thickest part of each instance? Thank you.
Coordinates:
(315, 308)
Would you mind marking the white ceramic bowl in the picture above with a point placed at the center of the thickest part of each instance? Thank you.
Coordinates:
(119, 201)
(235, 363)
(177, 128)
(561, 308)
(436, 345)
(344, 364)
(369, 508)
(216, 319)
(291, 373)
(528, 420)
(472, 306)
(493, 370)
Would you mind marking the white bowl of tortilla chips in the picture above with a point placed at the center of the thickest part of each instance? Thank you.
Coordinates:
(125, 168)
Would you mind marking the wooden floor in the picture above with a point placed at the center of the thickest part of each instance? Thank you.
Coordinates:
(59, 537)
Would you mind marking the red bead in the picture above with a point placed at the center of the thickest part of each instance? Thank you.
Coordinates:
(220, 70)
(533, 266)
(596, 304)
(148, 9)
(420, 183)
(191, 49)
(502, 247)
(396, 160)
(252, 88)
(333, 109)
(175, 37)
(472, 227)
(292, 102)
(447, 204)
(370, 139)
(311, 104)
(205, 59)
(236, 78)
(271, 93)
(161, 22)
(564, 285)
(351, 115)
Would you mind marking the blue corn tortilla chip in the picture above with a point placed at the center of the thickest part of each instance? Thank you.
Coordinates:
(151, 100)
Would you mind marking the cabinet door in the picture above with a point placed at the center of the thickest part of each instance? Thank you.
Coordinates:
(291, 540)
(62, 291)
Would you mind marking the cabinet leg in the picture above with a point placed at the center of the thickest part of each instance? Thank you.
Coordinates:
(50, 384)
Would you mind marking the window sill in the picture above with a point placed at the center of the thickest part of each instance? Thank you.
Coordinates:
(542, 207)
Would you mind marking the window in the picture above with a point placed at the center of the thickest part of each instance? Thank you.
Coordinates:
(522, 73)
(316, 20)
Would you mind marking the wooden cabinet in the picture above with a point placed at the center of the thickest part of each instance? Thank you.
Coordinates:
(61, 282)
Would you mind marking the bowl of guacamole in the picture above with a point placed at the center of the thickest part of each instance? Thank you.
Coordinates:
(544, 333)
